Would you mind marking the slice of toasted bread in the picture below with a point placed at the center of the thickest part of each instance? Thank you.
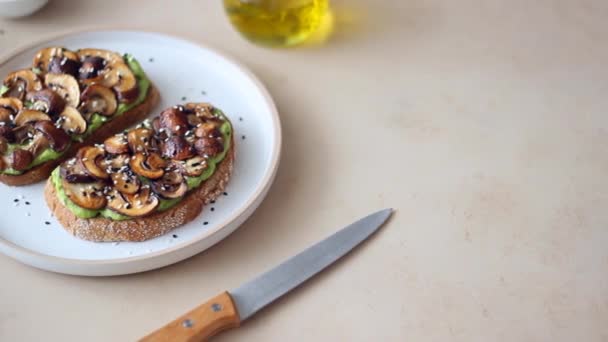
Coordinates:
(116, 125)
(147, 227)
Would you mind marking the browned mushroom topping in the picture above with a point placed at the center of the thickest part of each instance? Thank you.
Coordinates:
(91, 158)
(202, 110)
(147, 166)
(208, 130)
(45, 57)
(126, 182)
(21, 159)
(117, 144)
(208, 147)
(39, 144)
(21, 82)
(71, 121)
(98, 99)
(194, 120)
(122, 80)
(104, 54)
(174, 121)
(66, 86)
(58, 139)
(85, 195)
(7, 133)
(26, 116)
(194, 167)
(177, 148)
(171, 185)
(139, 204)
(91, 67)
(116, 163)
(74, 172)
(139, 139)
(9, 106)
(20, 134)
(46, 101)
(64, 65)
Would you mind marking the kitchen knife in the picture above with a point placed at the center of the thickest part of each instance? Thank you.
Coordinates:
(229, 309)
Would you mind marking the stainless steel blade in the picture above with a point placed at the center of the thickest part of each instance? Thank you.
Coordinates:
(263, 290)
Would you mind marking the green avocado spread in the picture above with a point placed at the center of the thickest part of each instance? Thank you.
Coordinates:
(96, 120)
(164, 204)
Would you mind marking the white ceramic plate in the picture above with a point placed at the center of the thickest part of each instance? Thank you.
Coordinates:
(182, 71)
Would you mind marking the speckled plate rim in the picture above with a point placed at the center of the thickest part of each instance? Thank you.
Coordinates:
(181, 251)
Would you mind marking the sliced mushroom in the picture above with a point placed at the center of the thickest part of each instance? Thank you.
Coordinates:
(91, 158)
(71, 121)
(58, 139)
(122, 80)
(202, 109)
(91, 67)
(21, 159)
(21, 134)
(208, 147)
(98, 99)
(171, 185)
(117, 144)
(21, 82)
(6, 115)
(66, 86)
(7, 133)
(194, 120)
(137, 205)
(74, 172)
(126, 182)
(39, 144)
(28, 115)
(176, 147)
(147, 166)
(139, 139)
(64, 65)
(116, 163)
(10, 105)
(44, 58)
(105, 54)
(85, 195)
(208, 129)
(46, 101)
(174, 120)
(194, 167)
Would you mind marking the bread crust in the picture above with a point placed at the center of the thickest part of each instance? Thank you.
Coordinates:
(147, 227)
(116, 125)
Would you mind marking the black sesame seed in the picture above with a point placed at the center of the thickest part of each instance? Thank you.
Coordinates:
(212, 202)
(205, 223)
(16, 200)
(27, 203)
(240, 118)
(225, 193)
(174, 236)
(243, 137)
(212, 209)
(203, 92)
(151, 60)
(184, 98)
(47, 223)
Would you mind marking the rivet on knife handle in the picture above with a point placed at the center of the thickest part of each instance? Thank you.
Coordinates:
(206, 320)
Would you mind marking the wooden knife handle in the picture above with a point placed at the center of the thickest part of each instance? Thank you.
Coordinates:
(206, 320)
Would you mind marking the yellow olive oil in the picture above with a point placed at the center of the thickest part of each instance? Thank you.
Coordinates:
(276, 22)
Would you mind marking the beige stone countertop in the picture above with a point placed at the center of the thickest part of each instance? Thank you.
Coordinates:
(483, 123)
